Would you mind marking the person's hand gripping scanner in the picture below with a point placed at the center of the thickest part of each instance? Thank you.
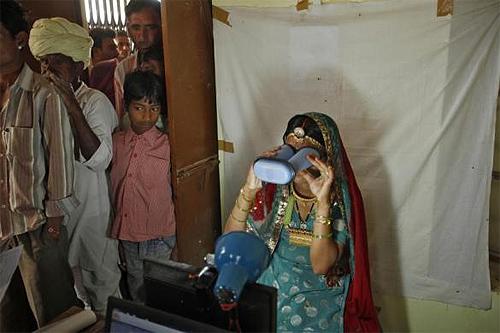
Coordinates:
(282, 168)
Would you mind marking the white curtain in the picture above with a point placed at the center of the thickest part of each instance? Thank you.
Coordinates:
(414, 97)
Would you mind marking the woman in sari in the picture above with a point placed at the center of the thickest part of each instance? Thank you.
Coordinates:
(316, 232)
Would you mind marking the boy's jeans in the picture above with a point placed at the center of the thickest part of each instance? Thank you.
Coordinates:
(135, 253)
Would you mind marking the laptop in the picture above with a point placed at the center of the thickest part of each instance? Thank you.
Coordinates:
(125, 316)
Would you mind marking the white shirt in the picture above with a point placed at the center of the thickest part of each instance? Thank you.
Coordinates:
(127, 65)
(88, 224)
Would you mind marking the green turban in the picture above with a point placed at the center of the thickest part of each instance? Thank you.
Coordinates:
(58, 35)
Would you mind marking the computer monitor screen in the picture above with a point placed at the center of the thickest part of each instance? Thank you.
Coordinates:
(125, 316)
(170, 287)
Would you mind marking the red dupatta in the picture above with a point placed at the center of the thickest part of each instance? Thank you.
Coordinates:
(360, 314)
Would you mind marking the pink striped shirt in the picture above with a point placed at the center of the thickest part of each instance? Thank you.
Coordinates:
(141, 186)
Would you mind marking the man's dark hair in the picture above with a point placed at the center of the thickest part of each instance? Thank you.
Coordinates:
(135, 6)
(120, 33)
(12, 17)
(139, 85)
(99, 35)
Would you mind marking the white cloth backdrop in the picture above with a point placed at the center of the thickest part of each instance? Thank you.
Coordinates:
(414, 96)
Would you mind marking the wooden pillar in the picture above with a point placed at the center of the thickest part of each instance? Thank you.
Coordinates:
(190, 77)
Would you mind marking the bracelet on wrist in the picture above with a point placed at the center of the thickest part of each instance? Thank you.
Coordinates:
(243, 195)
(241, 208)
(234, 218)
(322, 236)
(321, 219)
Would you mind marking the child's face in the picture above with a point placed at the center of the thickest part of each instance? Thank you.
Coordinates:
(143, 115)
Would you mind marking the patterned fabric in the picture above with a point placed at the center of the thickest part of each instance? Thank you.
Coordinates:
(140, 179)
(36, 156)
(307, 301)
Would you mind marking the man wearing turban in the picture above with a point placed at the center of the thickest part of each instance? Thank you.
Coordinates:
(58, 35)
(63, 49)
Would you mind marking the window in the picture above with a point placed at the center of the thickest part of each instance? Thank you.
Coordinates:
(105, 13)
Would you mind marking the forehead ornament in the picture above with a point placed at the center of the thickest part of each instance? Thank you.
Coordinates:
(299, 132)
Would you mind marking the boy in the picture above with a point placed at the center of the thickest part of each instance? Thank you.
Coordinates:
(140, 180)
(151, 60)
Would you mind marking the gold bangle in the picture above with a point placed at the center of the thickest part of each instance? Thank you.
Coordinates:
(234, 218)
(322, 236)
(241, 208)
(325, 220)
(244, 196)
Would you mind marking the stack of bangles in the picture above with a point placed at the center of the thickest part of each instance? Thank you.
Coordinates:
(326, 221)
(244, 210)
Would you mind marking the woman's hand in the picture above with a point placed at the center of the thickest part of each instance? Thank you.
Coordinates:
(321, 185)
(324, 252)
(239, 215)
(252, 182)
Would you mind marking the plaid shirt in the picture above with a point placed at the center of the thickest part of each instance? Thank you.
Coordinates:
(36, 156)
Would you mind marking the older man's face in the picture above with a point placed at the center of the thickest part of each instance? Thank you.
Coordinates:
(144, 27)
(62, 66)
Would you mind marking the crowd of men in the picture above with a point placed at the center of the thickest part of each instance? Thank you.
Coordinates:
(59, 131)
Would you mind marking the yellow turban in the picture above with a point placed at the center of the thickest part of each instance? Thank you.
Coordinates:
(58, 35)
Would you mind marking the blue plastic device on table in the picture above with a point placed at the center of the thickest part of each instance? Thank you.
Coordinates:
(240, 257)
(282, 168)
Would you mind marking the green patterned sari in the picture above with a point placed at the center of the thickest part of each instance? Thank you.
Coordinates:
(307, 301)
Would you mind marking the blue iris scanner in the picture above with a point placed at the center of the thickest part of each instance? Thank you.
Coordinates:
(240, 257)
(282, 168)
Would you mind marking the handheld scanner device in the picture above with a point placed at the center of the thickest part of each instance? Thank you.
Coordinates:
(282, 168)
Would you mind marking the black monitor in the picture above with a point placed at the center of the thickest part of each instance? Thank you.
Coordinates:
(125, 316)
(170, 287)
